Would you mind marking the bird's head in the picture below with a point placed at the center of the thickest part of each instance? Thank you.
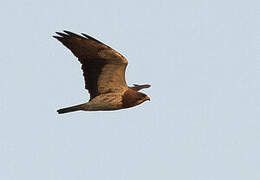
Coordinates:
(142, 98)
(133, 98)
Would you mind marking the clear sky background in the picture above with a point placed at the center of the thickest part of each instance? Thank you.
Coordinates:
(201, 57)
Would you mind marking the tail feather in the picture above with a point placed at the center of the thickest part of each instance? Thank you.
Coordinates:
(71, 109)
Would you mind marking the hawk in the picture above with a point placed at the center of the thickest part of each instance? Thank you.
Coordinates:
(104, 75)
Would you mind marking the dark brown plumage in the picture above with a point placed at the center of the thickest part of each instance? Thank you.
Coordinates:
(104, 75)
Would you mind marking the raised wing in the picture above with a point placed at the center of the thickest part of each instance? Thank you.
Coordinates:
(103, 68)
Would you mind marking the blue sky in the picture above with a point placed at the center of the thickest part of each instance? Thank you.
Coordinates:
(201, 58)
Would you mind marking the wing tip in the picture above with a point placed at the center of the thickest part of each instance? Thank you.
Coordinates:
(69, 33)
(58, 38)
(66, 33)
(90, 37)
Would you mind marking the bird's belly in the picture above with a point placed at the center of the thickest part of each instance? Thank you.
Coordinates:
(105, 102)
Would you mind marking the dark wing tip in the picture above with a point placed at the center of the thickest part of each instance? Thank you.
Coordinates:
(62, 34)
(73, 34)
(66, 34)
(58, 38)
(89, 37)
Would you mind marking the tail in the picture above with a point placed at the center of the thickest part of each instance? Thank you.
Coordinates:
(71, 109)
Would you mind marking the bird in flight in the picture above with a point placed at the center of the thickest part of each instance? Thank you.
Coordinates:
(104, 75)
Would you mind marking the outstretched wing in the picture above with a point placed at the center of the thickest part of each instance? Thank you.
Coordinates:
(103, 68)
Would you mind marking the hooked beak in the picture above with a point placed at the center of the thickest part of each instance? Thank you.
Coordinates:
(147, 98)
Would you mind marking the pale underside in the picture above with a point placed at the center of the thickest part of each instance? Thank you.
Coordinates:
(109, 101)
